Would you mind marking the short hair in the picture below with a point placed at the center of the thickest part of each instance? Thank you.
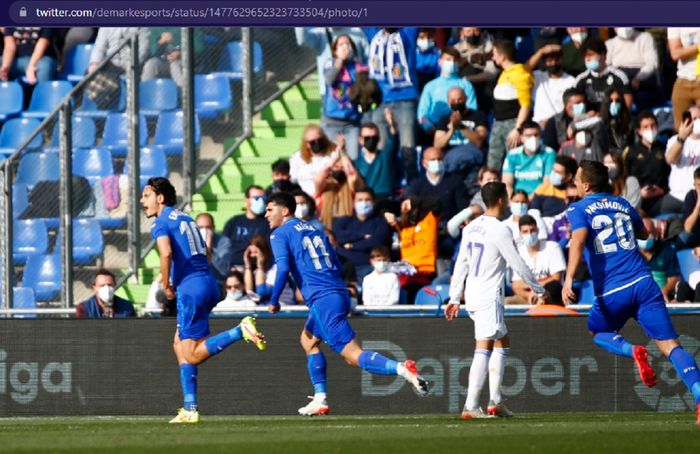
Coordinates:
(162, 186)
(281, 166)
(250, 188)
(211, 218)
(595, 173)
(526, 219)
(485, 169)
(644, 115)
(594, 44)
(380, 250)
(452, 52)
(370, 125)
(492, 192)
(519, 192)
(366, 190)
(505, 47)
(103, 272)
(568, 162)
(309, 201)
(529, 124)
(573, 91)
(696, 173)
(284, 199)
(238, 275)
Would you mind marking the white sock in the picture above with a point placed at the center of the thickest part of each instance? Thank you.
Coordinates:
(497, 365)
(400, 369)
(477, 377)
(320, 398)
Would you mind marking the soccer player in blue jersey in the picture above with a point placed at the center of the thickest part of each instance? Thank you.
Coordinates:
(605, 228)
(183, 261)
(306, 253)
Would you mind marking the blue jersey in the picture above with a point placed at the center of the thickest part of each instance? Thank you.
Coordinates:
(611, 245)
(311, 257)
(189, 249)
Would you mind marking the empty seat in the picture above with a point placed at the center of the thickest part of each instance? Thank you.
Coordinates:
(30, 237)
(76, 62)
(157, 95)
(83, 134)
(153, 163)
(230, 64)
(212, 95)
(92, 163)
(15, 131)
(88, 107)
(20, 199)
(43, 274)
(115, 135)
(88, 241)
(11, 100)
(36, 167)
(46, 97)
(170, 133)
(23, 298)
(688, 263)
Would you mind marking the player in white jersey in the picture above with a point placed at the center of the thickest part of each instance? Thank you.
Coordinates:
(487, 249)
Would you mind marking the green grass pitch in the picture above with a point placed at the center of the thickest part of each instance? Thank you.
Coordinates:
(536, 433)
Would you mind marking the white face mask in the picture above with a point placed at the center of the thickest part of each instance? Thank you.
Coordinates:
(424, 44)
(204, 232)
(301, 211)
(381, 266)
(258, 206)
(106, 294)
(531, 144)
(581, 139)
(436, 167)
(579, 37)
(447, 68)
(530, 239)
(518, 208)
(234, 295)
(624, 32)
(649, 135)
(696, 127)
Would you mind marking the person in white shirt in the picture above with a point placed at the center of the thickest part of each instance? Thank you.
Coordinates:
(519, 206)
(634, 52)
(550, 83)
(316, 152)
(380, 287)
(683, 47)
(683, 155)
(544, 258)
(236, 296)
(487, 248)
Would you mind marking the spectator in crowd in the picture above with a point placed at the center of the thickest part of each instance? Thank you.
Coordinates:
(661, 259)
(340, 113)
(157, 303)
(306, 210)
(634, 52)
(375, 165)
(358, 233)
(598, 77)
(617, 119)
(166, 55)
(260, 270)
(530, 164)
(512, 99)
(476, 206)
(316, 152)
(433, 104)
(281, 180)
(241, 228)
(392, 63)
(335, 188)
(572, 51)
(427, 56)
(550, 84)
(104, 303)
(682, 151)
(645, 160)
(75, 36)
(683, 47)
(218, 246)
(486, 175)
(28, 52)
(560, 230)
(110, 38)
(690, 236)
(622, 184)
(550, 198)
(544, 258)
(556, 129)
(236, 295)
(519, 207)
(381, 286)
(475, 46)
(590, 138)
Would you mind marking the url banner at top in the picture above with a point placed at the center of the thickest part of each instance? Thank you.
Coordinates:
(351, 12)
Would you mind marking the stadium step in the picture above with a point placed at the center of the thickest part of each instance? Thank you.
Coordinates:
(285, 110)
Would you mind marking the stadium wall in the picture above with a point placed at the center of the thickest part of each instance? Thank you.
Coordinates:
(127, 367)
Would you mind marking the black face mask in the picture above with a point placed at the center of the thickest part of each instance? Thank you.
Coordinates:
(339, 176)
(317, 146)
(391, 30)
(554, 69)
(473, 40)
(371, 143)
(458, 107)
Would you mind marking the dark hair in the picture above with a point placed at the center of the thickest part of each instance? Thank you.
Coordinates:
(262, 243)
(162, 186)
(620, 124)
(573, 91)
(238, 275)
(696, 173)
(380, 250)
(485, 169)
(643, 115)
(452, 52)
(594, 44)
(568, 162)
(529, 124)
(334, 46)
(211, 218)
(366, 190)
(519, 192)
(309, 201)
(284, 199)
(492, 192)
(249, 188)
(505, 47)
(370, 125)
(281, 166)
(103, 272)
(526, 219)
(595, 173)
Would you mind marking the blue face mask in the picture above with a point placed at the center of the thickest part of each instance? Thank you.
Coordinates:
(448, 68)
(556, 178)
(518, 208)
(530, 239)
(646, 244)
(258, 206)
(593, 65)
(615, 108)
(436, 167)
(578, 109)
(364, 208)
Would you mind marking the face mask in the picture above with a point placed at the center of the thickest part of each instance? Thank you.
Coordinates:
(448, 68)
(518, 208)
(554, 69)
(624, 32)
(473, 40)
(646, 244)
(593, 65)
(425, 44)
(371, 143)
(532, 144)
(235, 295)
(614, 108)
(649, 135)
(578, 109)
(458, 107)
(301, 211)
(339, 176)
(258, 206)
(436, 167)
(579, 37)
(380, 267)
(581, 138)
(364, 208)
(530, 239)
(205, 233)
(556, 178)
(612, 171)
(696, 127)
(106, 294)
(316, 146)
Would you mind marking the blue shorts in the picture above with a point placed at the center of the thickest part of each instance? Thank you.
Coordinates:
(196, 297)
(642, 301)
(328, 320)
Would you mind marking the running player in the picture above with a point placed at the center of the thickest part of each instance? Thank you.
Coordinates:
(478, 278)
(183, 257)
(306, 253)
(606, 225)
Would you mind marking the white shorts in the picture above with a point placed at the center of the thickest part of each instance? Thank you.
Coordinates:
(489, 323)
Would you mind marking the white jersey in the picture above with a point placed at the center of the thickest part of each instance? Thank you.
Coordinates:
(487, 249)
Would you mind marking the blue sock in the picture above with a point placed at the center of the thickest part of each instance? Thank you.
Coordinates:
(216, 343)
(188, 380)
(316, 364)
(687, 369)
(375, 363)
(614, 343)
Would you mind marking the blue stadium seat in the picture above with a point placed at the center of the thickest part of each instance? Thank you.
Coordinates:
(46, 97)
(20, 199)
(88, 242)
(76, 62)
(587, 295)
(688, 263)
(231, 58)
(170, 134)
(157, 95)
(153, 163)
(15, 131)
(92, 163)
(23, 298)
(212, 95)
(11, 100)
(43, 274)
(36, 167)
(88, 107)
(430, 295)
(84, 134)
(31, 237)
(115, 135)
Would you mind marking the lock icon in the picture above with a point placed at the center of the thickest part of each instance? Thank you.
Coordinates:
(23, 12)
